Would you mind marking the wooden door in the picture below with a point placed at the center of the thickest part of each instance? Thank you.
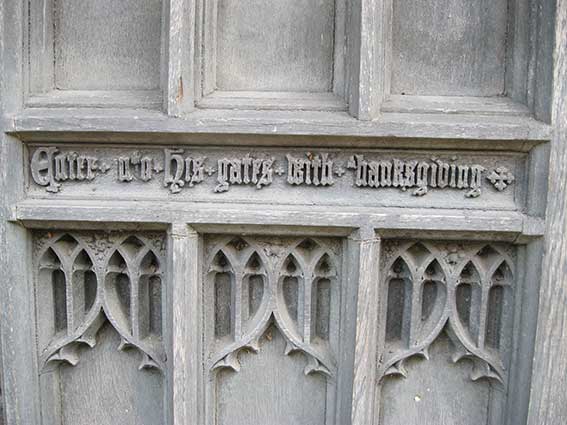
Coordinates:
(331, 212)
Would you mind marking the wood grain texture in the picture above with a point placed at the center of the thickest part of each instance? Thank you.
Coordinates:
(106, 45)
(271, 388)
(178, 74)
(548, 404)
(508, 225)
(275, 46)
(422, 397)
(19, 373)
(367, 66)
(469, 127)
(366, 344)
(185, 347)
(93, 56)
(454, 105)
(107, 385)
(449, 47)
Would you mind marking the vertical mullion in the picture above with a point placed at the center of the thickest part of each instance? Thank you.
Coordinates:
(368, 46)
(306, 311)
(180, 53)
(364, 246)
(184, 340)
(548, 399)
(20, 377)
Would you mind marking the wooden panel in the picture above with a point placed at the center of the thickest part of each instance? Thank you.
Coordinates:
(107, 388)
(99, 307)
(107, 44)
(549, 388)
(422, 397)
(447, 331)
(449, 47)
(272, 326)
(475, 180)
(276, 46)
(271, 388)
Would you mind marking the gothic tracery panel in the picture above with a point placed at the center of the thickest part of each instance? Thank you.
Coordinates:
(86, 279)
(452, 305)
(463, 289)
(271, 307)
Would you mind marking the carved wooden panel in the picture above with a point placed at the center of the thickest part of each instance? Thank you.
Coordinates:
(272, 318)
(328, 177)
(100, 317)
(447, 331)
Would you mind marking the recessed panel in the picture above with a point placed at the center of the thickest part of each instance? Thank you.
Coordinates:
(99, 308)
(268, 176)
(270, 45)
(107, 44)
(107, 388)
(278, 360)
(440, 301)
(449, 47)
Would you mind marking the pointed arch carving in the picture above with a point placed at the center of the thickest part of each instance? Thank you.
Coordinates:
(99, 277)
(275, 284)
(430, 288)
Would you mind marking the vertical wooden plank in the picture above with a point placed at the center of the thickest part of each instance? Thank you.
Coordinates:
(19, 368)
(180, 44)
(183, 299)
(548, 401)
(368, 33)
(365, 279)
(542, 60)
(41, 64)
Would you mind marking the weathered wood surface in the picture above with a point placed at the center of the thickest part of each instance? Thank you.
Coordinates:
(122, 51)
(436, 47)
(185, 348)
(391, 126)
(19, 378)
(548, 404)
(252, 56)
(133, 79)
(365, 358)
(503, 224)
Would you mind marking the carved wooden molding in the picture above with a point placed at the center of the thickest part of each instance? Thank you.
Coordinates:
(462, 289)
(85, 279)
(52, 167)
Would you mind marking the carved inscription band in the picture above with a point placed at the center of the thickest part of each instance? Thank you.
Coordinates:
(51, 167)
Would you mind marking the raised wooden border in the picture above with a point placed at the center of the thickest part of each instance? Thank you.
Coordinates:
(211, 98)
(548, 401)
(38, 66)
(20, 386)
(183, 377)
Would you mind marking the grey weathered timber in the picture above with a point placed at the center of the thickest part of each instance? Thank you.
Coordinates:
(19, 377)
(365, 362)
(548, 401)
(81, 49)
(432, 51)
(245, 64)
(469, 128)
(183, 399)
(330, 212)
